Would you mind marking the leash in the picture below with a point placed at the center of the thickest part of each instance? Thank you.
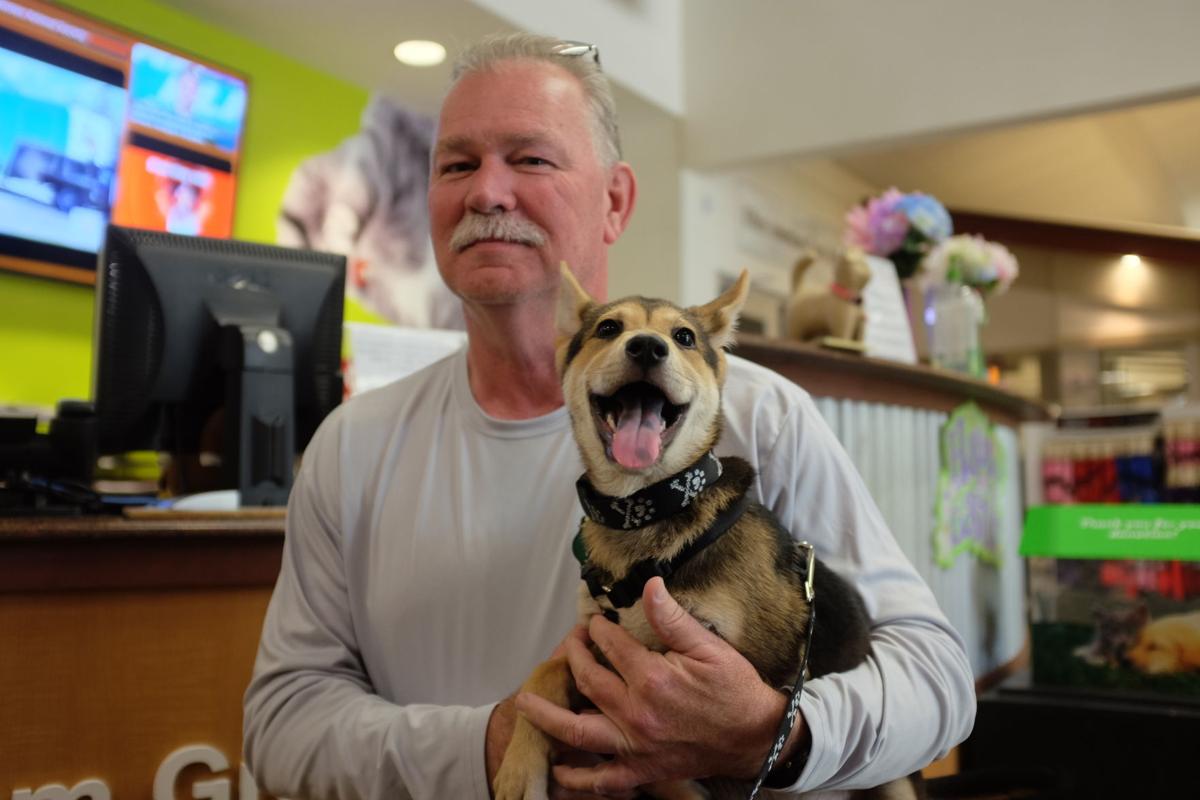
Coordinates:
(793, 767)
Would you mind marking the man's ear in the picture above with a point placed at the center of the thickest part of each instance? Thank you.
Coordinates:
(720, 317)
(573, 301)
(622, 196)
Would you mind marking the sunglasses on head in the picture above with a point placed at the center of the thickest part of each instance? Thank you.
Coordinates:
(578, 50)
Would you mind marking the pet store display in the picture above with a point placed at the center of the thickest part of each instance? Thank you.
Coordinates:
(1103, 467)
(1181, 459)
(1157, 462)
(1115, 597)
(1114, 556)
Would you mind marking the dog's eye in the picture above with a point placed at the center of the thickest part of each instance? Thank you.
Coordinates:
(608, 329)
(685, 337)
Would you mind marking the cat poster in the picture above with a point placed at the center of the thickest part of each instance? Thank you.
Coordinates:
(365, 199)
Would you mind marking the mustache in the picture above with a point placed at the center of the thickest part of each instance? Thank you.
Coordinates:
(507, 227)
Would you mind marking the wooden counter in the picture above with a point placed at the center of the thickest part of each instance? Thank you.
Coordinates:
(122, 641)
(831, 373)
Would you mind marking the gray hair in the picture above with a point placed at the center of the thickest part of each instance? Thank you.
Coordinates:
(485, 54)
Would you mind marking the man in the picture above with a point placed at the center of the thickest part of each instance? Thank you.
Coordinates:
(427, 566)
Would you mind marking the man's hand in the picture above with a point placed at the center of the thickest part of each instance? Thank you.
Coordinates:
(698, 710)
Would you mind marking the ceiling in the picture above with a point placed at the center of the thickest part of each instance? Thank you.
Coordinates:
(1138, 165)
(354, 40)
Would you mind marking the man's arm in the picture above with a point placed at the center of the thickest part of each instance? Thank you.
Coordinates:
(313, 726)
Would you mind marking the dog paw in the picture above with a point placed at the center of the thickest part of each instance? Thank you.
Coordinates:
(521, 781)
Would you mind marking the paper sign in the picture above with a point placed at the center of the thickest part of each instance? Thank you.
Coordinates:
(887, 333)
(381, 354)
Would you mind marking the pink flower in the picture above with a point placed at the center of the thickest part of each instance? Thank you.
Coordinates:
(879, 226)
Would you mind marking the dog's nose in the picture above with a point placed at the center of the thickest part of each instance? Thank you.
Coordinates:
(646, 351)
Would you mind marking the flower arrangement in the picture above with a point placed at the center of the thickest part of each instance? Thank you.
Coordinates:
(900, 227)
(971, 261)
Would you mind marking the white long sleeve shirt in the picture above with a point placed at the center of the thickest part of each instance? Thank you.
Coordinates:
(427, 569)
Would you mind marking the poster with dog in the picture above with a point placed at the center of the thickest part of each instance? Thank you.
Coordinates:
(1115, 597)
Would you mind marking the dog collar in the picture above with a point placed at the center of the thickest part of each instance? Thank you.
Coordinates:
(654, 503)
(846, 294)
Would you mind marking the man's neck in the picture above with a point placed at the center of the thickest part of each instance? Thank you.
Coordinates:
(510, 360)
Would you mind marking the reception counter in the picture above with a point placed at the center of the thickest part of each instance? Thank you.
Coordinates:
(126, 644)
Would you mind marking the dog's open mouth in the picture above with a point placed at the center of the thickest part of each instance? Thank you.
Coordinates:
(636, 423)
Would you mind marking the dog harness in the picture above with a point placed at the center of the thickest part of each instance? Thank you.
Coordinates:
(613, 595)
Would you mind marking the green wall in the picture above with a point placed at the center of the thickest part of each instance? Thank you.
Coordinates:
(294, 112)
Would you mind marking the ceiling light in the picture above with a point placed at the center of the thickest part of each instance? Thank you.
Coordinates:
(1131, 260)
(420, 53)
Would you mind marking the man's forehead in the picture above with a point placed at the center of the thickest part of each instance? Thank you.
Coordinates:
(521, 86)
(509, 140)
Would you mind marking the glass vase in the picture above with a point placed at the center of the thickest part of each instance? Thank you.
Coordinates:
(953, 316)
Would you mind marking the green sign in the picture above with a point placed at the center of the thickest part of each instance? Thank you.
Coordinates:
(967, 513)
(1144, 532)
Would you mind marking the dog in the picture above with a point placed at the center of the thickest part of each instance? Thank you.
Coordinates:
(830, 305)
(1167, 645)
(642, 380)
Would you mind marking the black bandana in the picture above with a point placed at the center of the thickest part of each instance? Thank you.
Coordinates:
(652, 504)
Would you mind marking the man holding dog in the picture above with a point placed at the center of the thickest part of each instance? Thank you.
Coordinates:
(427, 565)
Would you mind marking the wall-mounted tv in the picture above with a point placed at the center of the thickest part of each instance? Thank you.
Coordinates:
(98, 125)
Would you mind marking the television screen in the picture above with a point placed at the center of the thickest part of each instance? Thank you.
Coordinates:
(164, 193)
(172, 95)
(97, 125)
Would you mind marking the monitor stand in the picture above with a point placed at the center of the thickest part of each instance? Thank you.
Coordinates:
(260, 424)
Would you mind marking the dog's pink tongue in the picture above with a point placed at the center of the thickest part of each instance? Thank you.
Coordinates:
(637, 438)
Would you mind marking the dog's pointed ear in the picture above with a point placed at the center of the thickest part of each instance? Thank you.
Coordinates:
(720, 317)
(573, 301)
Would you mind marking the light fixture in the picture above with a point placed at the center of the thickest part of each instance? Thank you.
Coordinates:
(420, 53)
(1131, 260)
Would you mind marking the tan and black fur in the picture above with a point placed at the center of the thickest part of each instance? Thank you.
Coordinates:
(746, 586)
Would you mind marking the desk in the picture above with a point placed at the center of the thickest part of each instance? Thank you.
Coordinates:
(124, 640)
(1096, 745)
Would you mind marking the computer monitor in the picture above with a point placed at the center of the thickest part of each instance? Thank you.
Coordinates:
(189, 326)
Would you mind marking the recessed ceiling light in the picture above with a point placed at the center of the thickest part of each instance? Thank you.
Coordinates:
(420, 53)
